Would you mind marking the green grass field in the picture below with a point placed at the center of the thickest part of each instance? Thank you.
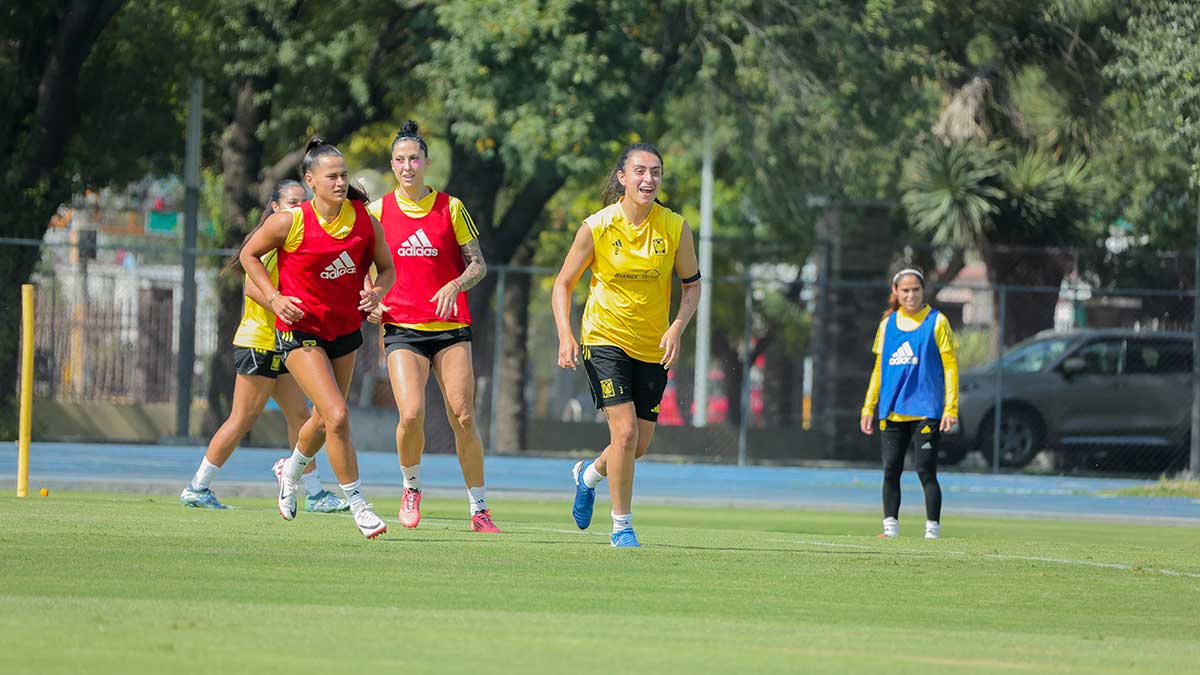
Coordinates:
(104, 583)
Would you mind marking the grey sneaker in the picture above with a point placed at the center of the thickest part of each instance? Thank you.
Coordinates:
(325, 502)
(200, 499)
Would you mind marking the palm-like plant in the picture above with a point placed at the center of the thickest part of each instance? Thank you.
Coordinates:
(951, 192)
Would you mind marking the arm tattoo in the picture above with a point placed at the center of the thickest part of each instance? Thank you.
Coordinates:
(476, 267)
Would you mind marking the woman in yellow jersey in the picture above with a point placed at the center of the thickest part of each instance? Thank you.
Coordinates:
(260, 375)
(325, 248)
(913, 393)
(631, 246)
(427, 322)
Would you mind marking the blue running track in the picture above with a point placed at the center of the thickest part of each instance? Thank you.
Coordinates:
(161, 469)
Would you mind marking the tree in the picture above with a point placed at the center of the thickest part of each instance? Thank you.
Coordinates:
(529, 104)
(49, 126)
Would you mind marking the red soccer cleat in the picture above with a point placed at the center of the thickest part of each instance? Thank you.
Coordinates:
(482, 522)
(410, 508)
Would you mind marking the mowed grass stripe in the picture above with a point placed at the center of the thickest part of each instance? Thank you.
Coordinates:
(122, 583)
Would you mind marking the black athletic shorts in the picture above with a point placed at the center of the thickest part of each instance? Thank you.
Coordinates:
(262, 362)
(616, 377)
(423, 342)
(287, 340)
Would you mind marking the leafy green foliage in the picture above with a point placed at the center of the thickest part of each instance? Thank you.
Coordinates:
(951, 192)
(1159, 60)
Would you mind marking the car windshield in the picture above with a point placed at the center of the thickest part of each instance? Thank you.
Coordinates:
(1032, 357)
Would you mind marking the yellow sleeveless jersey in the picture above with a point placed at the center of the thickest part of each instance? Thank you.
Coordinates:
(257, 328)
(629, 297)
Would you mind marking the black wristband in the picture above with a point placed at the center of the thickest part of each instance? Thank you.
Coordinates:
(692, 279)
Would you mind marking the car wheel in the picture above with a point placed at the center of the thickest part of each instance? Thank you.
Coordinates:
(1020, 438)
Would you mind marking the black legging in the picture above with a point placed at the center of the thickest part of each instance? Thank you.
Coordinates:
(896, 437)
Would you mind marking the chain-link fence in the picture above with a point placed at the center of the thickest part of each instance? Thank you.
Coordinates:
(1096, 375)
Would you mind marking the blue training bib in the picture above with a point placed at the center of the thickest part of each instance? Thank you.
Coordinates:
(912, 380)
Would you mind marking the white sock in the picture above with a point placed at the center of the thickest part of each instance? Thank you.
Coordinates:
(891, 527)
(354, 494)
(621, 522)
(293, 468)
(412, 476)
(204, 475)
(933, 529)
(312, 482)
(592, 477)
(478, 498)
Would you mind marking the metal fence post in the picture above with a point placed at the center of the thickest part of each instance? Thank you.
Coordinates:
(997, 414)
(744, 421)
(1194, 451)
(187, 307)
(497, 355)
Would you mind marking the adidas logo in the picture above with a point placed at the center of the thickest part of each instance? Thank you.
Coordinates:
(418, 245)
(903, 356)
(341, 265)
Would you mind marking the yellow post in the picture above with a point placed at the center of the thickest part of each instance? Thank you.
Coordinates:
(26, 414)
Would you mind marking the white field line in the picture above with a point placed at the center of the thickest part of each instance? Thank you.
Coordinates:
(1000, 556)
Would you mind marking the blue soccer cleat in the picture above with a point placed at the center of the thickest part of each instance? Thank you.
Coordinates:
(325, 502)
(625, 539)
(200, 499)
(585, 497)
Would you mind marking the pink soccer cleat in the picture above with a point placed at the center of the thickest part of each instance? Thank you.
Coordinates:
(410, 508)
(482, 522)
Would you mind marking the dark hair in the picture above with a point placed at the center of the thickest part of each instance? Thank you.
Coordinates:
(408, 132)
(318, 148)
(903, 271)
(612, 187)
(233, 263)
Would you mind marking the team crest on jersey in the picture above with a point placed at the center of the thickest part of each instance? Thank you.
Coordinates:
(606, 389)
(341, 266)
(659, 244)
(418, 245)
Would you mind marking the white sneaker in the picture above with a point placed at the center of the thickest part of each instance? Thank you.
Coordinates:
(891, 528)
(933, 529)
(287, 492)
(368, 523)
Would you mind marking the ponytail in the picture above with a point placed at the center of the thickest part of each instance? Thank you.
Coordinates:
(316, 149)
(234, 263)
(612, 186)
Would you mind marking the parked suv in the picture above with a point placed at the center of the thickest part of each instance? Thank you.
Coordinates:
(1115, 391)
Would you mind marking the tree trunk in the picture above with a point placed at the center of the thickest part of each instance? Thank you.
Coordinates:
(241, 161)
(511, 418)
(1026, 312)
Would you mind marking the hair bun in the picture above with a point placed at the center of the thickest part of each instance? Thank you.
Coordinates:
(409, 128)
(316, 142)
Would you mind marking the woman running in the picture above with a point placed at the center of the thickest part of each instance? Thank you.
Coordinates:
(426, 322)
(913, 393)
(326, 246)
(632, 246)
(260, 375)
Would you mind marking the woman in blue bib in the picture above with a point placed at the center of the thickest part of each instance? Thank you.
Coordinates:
(913, 393)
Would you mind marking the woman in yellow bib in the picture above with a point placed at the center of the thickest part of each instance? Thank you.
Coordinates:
(631, 246)
(260, 375)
